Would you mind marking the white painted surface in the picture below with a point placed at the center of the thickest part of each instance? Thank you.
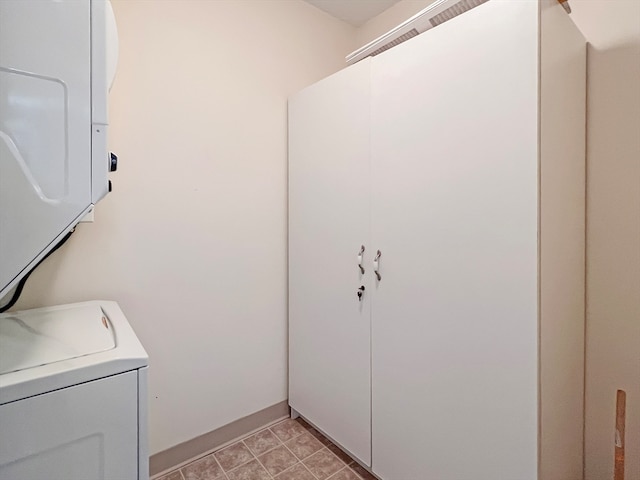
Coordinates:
(143, 423)
(192, 240)
(53, 165)
(87, 431)
(562, 243)
(612, 28)
(45, 141)
(329, 220)
(103, 63)
(454, 190)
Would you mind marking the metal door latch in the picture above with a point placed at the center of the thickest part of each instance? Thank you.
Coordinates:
(376, 265)
(360, 259)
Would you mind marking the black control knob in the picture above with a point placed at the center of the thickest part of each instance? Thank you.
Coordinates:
(113, 162)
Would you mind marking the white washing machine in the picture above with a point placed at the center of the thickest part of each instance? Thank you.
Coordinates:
(73, 395)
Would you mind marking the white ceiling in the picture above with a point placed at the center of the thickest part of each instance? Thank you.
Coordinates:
(354, 12)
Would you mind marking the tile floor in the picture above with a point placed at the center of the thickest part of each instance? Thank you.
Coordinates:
(288, 450)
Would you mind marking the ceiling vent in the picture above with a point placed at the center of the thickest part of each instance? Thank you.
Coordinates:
(435, 14)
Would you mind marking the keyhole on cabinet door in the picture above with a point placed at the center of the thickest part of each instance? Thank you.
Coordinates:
(360, 293)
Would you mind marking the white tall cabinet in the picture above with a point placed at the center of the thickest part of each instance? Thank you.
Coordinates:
(459, 156)
(329, 209)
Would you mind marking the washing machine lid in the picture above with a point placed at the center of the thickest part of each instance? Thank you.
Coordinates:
(50, 348)
(33, 338)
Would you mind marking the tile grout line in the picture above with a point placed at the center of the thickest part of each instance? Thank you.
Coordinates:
(243, 463)
(346, 465)
(224, 474)
(262, 464)
(255, 457)
(287, 469)
(307, 469)
(300, 461)
(281, 443)
(213, 454)
(311, 454)
(219, 448)
(295, 436)
(325, 447)
(296, 457)
(336, 473)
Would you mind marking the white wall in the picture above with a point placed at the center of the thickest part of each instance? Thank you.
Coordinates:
(612, 28)
(192, 241)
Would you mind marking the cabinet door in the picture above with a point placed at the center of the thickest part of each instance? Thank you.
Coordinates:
(45, 126)
(454, 193)
(329, 328)
(88, 431)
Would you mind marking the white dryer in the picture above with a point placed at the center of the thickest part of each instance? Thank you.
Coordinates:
(73, 401)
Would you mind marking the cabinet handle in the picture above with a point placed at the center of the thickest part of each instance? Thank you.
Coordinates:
(360, 259)
(376, 265)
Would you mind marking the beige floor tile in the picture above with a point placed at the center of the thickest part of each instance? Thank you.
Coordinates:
(303, 445)
(277, 460)
(172, 476)
(261, 442)
(345, 474)
(340, 454)
(323, 464)
(249, 471)
(232, 456)
(204, 469)
(324, 440)
(297, 472)
(287, 429)
(289, 450)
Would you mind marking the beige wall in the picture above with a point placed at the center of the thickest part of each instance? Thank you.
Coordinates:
(192, 241)
(612, 28)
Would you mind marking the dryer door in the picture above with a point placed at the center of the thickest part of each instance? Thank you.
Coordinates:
(45, 128)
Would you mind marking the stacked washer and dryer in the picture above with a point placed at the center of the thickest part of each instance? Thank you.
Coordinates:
(73, 378)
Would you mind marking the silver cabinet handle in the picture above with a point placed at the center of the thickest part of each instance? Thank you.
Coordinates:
(360, 259)
(376, 265)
